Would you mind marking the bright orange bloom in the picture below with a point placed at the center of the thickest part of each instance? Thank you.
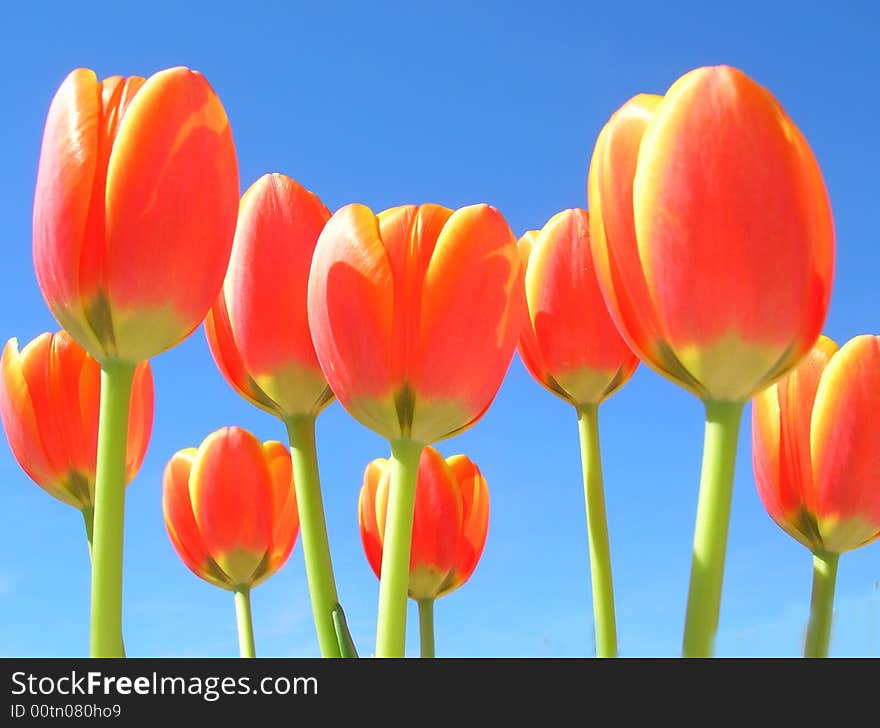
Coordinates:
(568, 341)
(230, 508)
(258, 329)
(816, 447)
(134, 209)
(49, 402)
(712, 233)
(415, 314)
(450, 525)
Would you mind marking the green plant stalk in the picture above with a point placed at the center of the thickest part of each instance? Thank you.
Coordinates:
(244, 622)
(426, 627)
(710, 533)
(88, 514)
(597, 531)
(316, 547)
(394, 581)
(106, 603)
(821, 604)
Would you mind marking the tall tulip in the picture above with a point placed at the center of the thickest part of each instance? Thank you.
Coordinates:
(450, 524)
(258, 332)
(134, 213)
(713, 242)
(49, 401)
(230, 511)
(414, 314)
(816, 456)
(570, 345)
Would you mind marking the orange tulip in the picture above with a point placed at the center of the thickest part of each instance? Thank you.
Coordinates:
(570, 345)
(450, 524)
(712, 233)
(569, 342)
(258, 329)
(134, 209)
(49, 402)
(415, 314)
(713, 243)
(816, 456)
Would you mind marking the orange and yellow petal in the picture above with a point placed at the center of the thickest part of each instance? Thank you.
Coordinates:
(368, 519)
(285, 517)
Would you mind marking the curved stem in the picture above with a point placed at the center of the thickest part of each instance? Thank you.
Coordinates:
(316, 547)
(244, 622)
(394, 582)
(426, 627)
(88, 514)
(821, 604)
(710, 533)
(106, 613)
(597, 532)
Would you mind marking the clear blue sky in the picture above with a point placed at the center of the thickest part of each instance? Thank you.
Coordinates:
(456, 103)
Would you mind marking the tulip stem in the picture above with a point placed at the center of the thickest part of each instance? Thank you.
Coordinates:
(244, 622)
(710, 533)
(88, 514)
(426, 627)
(316, 547)
(821, 604)
(597, 532)
(394, 581)
(106, 612)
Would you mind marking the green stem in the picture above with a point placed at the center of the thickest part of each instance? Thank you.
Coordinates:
(316, 547)
(821, 604)
(394, 584)
(106, 616)
(710, 533)
(88, 514)
(426, 627)
(597, 532)
(244, 622)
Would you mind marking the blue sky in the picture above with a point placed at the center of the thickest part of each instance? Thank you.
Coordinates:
(456, 103)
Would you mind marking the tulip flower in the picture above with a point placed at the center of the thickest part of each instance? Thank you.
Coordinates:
(134, 213)
(414, 315)
(49, 401)
(570, 345)
(450, 524)
(230, 511)
(713, 243)
(258, 333)
(816, 456)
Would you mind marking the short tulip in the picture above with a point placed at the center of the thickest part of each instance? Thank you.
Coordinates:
(449, 527)
(713, 242)
(230, 511)
(571, 346)
(414, 314)
(258, 332)
(49, 400)
(816, 456)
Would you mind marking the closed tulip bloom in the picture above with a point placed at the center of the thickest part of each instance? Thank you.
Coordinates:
(568, 341)
(713, 242)
(49, 403)
(571, 346)
(230, 510)
(449, 527)
(258, 329)
(712, 233)
(816, 456)
(134, 209)
(415, 314)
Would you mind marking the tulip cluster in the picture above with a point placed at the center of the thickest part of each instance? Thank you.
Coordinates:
(707, 253)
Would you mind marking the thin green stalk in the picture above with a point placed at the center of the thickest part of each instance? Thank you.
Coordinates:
(316, 547)
(394, 584)
(88, 514)
(426, 627)
(244, 622)
(106, 616)
(821, 604)
(597, 532)
(710, 533)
